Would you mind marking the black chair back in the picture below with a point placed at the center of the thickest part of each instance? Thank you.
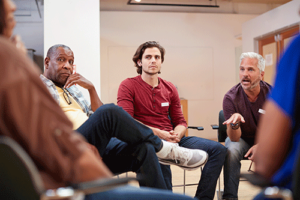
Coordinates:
(296, 179)
(222, 134)
(19, 178)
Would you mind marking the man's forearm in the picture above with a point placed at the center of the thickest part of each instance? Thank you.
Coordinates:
(180, 131)
(95, 100)
(234, 135)
(156, 131)
(165, 135)
(234, 131)
(274, 136)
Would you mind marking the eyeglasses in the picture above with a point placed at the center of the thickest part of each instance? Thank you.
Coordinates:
(66, 96)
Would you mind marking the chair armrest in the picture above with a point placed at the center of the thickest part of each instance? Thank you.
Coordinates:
(270, 191)
(256, 179)
(215, 126)
(199, 128)
(78, 191)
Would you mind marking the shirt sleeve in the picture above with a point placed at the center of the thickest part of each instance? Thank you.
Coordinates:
(228, 107)
(125, 97)
(176, 114)
(83, 102)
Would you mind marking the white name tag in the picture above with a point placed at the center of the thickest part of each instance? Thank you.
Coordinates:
(165, 104)
(261, 111)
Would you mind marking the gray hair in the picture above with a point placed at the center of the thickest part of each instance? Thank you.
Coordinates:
(53, 49)
(260, 59)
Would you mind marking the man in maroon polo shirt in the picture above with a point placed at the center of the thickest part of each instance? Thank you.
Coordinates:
(242, 106)
(155, 102)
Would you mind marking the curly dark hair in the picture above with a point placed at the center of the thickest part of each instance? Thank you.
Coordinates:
(140, 51)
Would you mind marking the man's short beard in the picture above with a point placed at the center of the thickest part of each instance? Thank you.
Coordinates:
(151, 73)
(252, 86)
(255, 85)
(60, 83)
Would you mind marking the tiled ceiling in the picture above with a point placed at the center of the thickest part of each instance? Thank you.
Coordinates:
(28, 8)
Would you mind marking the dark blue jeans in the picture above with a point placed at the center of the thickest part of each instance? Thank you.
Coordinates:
(212, 169)
(125, 144)
(232, 166)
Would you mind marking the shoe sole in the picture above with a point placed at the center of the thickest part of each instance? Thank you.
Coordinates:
(165, 162)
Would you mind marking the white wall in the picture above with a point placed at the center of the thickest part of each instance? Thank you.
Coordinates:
(200, 56)
(77, 25)
(272, 21)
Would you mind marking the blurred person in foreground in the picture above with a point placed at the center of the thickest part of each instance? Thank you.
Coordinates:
(278, 134)
(31, 117)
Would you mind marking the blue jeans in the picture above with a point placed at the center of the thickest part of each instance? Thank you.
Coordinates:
(212, 169)
(232, 166)
(134, 150)
(133, 193)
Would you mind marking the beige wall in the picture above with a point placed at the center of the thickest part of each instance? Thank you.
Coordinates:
(200, 56)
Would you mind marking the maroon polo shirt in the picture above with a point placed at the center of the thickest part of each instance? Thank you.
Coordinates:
(236, 101)
(151, 106)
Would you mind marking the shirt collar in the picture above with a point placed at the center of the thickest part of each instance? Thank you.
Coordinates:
(157, 87)
(47, 81)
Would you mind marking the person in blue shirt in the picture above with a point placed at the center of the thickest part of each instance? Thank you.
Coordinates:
(279, 130)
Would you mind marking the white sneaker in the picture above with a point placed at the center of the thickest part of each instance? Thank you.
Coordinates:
(188, 159)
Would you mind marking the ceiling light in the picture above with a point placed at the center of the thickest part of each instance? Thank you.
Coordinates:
(137, 2)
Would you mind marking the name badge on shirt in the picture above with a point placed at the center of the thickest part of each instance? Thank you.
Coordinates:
(165, 104)
(261, 111)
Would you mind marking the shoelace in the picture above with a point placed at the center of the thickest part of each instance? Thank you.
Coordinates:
(177, 155)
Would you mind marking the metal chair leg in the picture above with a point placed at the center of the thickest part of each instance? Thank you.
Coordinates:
(219, 192)
(184, 181)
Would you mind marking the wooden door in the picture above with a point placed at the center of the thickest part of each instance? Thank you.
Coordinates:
(272, 47)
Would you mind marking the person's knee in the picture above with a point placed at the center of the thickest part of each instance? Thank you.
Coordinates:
(146, 150)
(149, 148)
(222, 149)
(233, 153)
(217, 151)
(107, 109)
